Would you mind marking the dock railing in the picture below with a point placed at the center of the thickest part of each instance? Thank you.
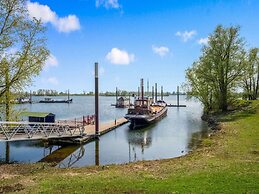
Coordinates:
(31, 130)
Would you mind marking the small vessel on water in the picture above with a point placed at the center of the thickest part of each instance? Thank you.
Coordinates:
(50, 100)
(145, 110)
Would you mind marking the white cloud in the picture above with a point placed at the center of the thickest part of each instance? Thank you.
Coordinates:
(52, 80)
(186, 35)
(161, 51)
(108, 4)
(51, 62)
(62, 24)
(120, 57)
(203, 41)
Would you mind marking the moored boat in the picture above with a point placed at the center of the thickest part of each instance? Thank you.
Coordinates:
(145, 111)
(50, 100)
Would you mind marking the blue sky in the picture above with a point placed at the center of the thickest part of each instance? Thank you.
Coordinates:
(132, 39)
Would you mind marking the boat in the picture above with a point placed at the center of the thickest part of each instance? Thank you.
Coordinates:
(145, 111)
(50, 100)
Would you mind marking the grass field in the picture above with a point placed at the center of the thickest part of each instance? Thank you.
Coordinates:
(226, 162)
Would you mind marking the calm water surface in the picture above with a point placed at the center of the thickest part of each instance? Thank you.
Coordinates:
(173, 136)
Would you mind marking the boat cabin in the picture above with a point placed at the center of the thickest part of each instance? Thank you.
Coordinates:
(121, 102)
(39, 117)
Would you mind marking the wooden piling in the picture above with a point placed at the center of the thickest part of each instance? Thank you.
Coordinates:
(96, 101)
(162, 95)
(178, 96)
(155, 92)
(142, 90)
(30, 97)
(97, 161)
(116, 96)
(147, 87)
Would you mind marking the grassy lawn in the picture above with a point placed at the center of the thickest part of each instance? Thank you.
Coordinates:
(227, 162)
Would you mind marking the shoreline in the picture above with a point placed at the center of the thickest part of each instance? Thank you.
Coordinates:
(226, 156)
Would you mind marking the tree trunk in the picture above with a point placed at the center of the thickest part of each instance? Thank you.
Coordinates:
(224, 101)
(7, 95)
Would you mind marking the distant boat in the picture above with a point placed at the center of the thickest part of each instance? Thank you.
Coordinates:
(23, 100)
(50, 100)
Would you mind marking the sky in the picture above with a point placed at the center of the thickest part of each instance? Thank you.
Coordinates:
(132, 39)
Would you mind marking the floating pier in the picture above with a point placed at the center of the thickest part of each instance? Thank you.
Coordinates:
(91, 132)
(178, 103)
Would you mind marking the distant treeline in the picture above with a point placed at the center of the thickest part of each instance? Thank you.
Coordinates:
(49, 92)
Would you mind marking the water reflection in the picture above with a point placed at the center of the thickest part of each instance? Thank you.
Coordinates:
(173, 136)
(138, 139)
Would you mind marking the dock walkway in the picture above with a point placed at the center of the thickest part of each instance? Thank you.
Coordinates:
(54, 132)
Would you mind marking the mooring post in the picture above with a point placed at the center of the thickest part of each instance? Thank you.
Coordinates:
(155, 92)
(68, 95)
(142, 90)
(147, 87)
(96, 101)
(30, 98)
(162, 95)
(152, 93)
(116, 96)
(177, 96)
(97, 161)
(7, 153)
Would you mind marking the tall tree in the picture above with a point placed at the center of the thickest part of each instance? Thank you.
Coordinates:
(23, 49)
(250, 80)
(220, 67)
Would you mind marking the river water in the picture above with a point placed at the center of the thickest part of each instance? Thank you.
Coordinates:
(173, 136)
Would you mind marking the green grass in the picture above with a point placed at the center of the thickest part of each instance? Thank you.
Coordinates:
(227, 162)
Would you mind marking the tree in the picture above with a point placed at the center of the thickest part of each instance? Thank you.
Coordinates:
(214, 77)
(23, 49)
(250, 80)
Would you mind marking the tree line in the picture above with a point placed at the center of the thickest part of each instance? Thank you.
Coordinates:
(224, 68)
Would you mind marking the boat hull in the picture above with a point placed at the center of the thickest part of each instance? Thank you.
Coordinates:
(56, 101)
(139, 121)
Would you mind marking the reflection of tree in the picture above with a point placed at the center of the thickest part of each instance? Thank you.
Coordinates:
(196, 138)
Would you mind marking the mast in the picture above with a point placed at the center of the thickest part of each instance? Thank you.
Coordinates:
(142, 90)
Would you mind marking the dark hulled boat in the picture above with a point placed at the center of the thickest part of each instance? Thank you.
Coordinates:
(50, 100)
(145, 110)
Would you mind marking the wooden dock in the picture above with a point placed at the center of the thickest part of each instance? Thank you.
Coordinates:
(62, 133)
(89, 131)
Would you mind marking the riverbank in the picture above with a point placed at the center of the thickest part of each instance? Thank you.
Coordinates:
(226, 162)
